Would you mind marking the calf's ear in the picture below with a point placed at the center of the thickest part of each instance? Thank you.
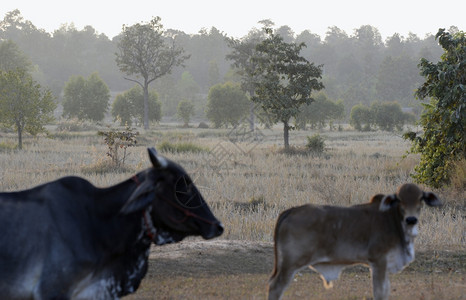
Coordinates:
(388, 202)
(157, 161)
(431, 199)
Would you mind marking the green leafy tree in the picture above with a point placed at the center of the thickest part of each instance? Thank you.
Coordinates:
(145, 53)
(361, 117)
(241, 55)
(185, 111)
(11, 57)
(388, 115)
(443, 140)
(226, 104)
(128, 106)
(86, 98)
(320, 112)
(285, 80)
(24, 106)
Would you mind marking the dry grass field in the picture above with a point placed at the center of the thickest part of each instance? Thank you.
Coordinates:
(247, 183)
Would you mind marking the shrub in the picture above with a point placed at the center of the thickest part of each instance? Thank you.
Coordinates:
(315, 144)
(119, 140)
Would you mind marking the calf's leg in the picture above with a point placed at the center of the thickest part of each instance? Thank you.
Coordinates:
(288, 260)
(380, 281)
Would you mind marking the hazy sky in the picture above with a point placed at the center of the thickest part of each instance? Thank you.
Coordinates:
(236, 17)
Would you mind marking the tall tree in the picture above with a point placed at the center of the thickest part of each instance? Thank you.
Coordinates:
(285, 80)
(24, 106)
(443, 141)
(147, 54)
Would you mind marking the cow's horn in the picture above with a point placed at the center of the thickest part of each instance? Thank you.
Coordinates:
(157, 161)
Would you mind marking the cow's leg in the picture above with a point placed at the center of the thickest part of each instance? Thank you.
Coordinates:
(380, 281)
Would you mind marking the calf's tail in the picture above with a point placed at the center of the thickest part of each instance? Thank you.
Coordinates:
(280, 220)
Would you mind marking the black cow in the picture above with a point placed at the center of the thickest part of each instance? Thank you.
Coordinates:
(68, 239)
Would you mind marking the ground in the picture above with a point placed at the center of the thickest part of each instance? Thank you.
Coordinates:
(225, 269)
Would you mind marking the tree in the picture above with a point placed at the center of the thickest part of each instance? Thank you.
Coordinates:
(128, 106)
(384, 115)
(397, 78)
(144, 52)
(86, 98)
(241, 55)
(361, 117)
(185, 110)
(23, 104)
(443, 141)
(12, 58)
(285, 80)
(226, 104)
(320, 112)
(388, 115)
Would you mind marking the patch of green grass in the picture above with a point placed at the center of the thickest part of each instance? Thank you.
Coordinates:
(8, 146)
(181, 147)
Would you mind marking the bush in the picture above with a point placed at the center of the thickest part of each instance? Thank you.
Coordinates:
(119, 140)
(315, 144)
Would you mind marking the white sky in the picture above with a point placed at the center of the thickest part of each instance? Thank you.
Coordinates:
(236, 17)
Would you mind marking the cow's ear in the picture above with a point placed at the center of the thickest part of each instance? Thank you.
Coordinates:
(431, 199)
(141, 198)
(377, 199)
(157, 161)
(388, 202)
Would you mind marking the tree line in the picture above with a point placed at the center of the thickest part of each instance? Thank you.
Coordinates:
(268, 69)
(358, 67)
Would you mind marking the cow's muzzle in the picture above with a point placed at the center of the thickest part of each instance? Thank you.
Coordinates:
(214, 231)
(411, 220)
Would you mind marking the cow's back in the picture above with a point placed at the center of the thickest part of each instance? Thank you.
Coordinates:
(35, 227)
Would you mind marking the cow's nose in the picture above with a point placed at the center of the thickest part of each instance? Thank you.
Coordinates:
(220, 229)
(411, 220)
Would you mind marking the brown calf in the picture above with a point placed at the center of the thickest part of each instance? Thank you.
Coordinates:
(379, 234)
